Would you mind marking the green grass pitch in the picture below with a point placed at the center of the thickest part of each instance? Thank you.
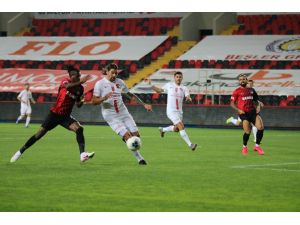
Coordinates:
(214, 178)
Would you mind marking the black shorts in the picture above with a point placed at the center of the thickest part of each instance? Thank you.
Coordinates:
(249, 116)
(52, 120)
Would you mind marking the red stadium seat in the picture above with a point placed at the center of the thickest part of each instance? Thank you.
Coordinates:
(40, 99)
(133, 68)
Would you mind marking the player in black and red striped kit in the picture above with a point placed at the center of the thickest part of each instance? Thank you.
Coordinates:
(245, 101)
(70, 92)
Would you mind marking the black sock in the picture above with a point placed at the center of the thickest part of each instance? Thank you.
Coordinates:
(245, 138)
(80, 139)
(30, 142)
(259, 136)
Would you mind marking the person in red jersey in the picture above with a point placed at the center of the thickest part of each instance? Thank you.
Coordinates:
(70, 92)
(245, 101)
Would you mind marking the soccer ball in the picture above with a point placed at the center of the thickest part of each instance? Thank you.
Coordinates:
(134, 143)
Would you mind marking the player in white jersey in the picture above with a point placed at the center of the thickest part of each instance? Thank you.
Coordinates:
(176, 94)
(25, 97)
(108, 92)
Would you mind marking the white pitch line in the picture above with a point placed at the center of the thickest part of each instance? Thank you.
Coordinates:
(265, 165)
(283, 170)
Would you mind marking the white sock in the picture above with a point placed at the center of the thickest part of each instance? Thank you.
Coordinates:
(137, 155)
(16, 156)
(234, 121)
(254, 131)
(18, 153)
(168, 129)
(185, 137)
(19, 118)
(27, 121)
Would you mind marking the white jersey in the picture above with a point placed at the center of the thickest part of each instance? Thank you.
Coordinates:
(176, 96)
(114, 110)
(25, 97)
(114, 104)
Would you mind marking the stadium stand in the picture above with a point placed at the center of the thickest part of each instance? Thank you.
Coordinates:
(166, 54)
(234, 64)
(102, 27)
(268, 24)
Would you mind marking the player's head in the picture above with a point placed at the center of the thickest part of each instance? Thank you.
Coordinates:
(26, 85)
(250, 84)
(111, 72)
(74, 73)
(243, 80)
(178, 77)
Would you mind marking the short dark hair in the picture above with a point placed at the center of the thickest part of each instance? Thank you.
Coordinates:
(250, 81)
(111, 66)
(72, 68)
(177, 72)
(242, 75)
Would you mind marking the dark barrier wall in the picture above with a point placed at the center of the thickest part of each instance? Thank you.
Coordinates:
(193, 115)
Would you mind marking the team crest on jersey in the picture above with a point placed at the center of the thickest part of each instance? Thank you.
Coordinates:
(118, 86)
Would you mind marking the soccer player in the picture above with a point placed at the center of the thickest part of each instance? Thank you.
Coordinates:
(70, 92)
(25, 97)
(108, 92)
(238, 121)
(176, 93)
(245, 101)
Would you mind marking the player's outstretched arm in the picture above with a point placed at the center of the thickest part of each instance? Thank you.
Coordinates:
(154, 88)
(81, 81)
(148, 107)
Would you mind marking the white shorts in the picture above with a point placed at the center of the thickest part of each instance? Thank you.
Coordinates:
(121, 122)
(25, 110)
(175, 117)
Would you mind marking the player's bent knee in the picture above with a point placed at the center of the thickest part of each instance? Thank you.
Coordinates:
(40, 134)
(79, 130)
(126, 136)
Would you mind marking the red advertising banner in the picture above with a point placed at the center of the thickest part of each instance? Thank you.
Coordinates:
(41, 80)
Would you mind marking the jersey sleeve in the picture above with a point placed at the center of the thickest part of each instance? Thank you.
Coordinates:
(186, 92)
(97, 89)
(125, 89)
(166, 87)
(30, 96)
(63, 83)
(20, 94)
(234, 96)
